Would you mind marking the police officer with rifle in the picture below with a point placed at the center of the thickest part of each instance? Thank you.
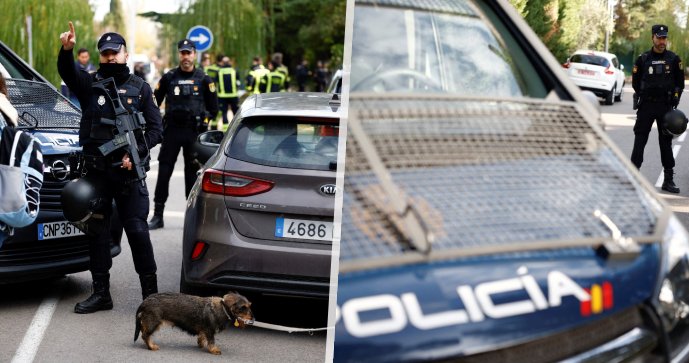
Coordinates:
(658, 81)
(190, 101)
(120, 123)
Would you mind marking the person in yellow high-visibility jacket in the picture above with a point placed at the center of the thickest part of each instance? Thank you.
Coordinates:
(257, 80)
(227, 90)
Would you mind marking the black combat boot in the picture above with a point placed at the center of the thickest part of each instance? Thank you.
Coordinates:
(668, 184)
(157, 220)
(100, 299)
(149, 284)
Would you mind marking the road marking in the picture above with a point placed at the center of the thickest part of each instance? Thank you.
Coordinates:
(34, 335)
(661, 177)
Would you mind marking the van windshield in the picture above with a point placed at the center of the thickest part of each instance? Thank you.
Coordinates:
(449, 47)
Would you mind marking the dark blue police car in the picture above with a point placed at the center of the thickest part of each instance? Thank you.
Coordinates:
(487, 217)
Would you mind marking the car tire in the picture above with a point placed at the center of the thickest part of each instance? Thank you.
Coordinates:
(609, 96)
(618, 98)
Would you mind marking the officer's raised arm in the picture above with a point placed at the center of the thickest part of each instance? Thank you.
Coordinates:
(77, 82)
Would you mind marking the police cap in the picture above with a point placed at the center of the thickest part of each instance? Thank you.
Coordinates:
(186, 45)
(111, 41)
(659, 30)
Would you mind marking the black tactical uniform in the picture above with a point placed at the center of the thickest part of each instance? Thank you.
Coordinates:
(128, 191)
(190, 100)
(658, 80)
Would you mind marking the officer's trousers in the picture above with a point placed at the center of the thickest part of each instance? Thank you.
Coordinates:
(645, 115)
(131, 200)
(174, 139)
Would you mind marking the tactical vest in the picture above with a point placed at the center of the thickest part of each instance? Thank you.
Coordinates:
(184, 103)
(658, 78)
(212, 71)
(130, 95)
(227, 82)
(276, 81)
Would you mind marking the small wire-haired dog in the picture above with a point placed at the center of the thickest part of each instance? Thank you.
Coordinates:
(200, 316)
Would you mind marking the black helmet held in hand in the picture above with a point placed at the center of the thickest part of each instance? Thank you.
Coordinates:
(80, 199)
(674, 123)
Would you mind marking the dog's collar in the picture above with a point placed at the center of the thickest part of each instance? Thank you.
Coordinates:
(229, 317)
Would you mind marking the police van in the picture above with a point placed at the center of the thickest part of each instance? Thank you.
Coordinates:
(50, 246)
(486, 215)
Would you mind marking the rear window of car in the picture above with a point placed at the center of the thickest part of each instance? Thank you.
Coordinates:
(287, 142)
(590, 59)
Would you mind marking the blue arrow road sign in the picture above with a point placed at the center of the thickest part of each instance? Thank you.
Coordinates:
(201, 36)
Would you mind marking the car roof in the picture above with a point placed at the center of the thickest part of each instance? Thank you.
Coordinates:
(309, 104)
(595, 52)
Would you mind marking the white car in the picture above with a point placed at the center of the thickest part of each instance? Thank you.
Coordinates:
(598, 72)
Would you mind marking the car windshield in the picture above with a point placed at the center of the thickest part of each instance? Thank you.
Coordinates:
(590, 59)
(287, 142)
(439, 46)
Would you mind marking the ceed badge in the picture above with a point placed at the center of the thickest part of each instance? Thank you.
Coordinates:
(101, 100)
(176, 90)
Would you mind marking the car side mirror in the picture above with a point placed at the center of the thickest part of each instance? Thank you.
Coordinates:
(206, 145)
(211, 138)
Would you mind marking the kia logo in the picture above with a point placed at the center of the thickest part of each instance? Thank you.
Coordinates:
(59, 170)
(328, 189)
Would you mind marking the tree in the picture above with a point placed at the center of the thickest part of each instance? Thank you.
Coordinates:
(238, 28)
(49, 19)
(114, 20)
(312, 30)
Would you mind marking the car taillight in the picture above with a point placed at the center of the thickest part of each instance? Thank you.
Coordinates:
(198, 251)
(220, 182)
(608, 71)
(566, 65)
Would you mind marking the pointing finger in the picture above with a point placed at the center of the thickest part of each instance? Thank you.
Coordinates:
(71, 28)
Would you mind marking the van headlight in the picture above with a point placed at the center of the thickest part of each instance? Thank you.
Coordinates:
(674, 289)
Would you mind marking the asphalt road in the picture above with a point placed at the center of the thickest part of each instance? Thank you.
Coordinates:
(619, 121)
(37, 322)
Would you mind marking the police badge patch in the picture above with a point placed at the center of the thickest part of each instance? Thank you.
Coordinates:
(211, 87)
(101, 100)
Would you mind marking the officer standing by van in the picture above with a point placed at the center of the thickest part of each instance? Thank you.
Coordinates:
(190, 100)
(113, 172)
(658, 81)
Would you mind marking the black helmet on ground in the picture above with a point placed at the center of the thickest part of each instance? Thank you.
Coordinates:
(674, 123)
(80, 199)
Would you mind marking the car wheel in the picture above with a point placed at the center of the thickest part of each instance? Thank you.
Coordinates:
(609, 96)
(618, 98)
(185, 288)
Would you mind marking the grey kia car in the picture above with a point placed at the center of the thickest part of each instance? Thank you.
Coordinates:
(260, 216)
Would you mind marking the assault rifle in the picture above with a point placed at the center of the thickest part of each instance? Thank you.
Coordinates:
(126, 125)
